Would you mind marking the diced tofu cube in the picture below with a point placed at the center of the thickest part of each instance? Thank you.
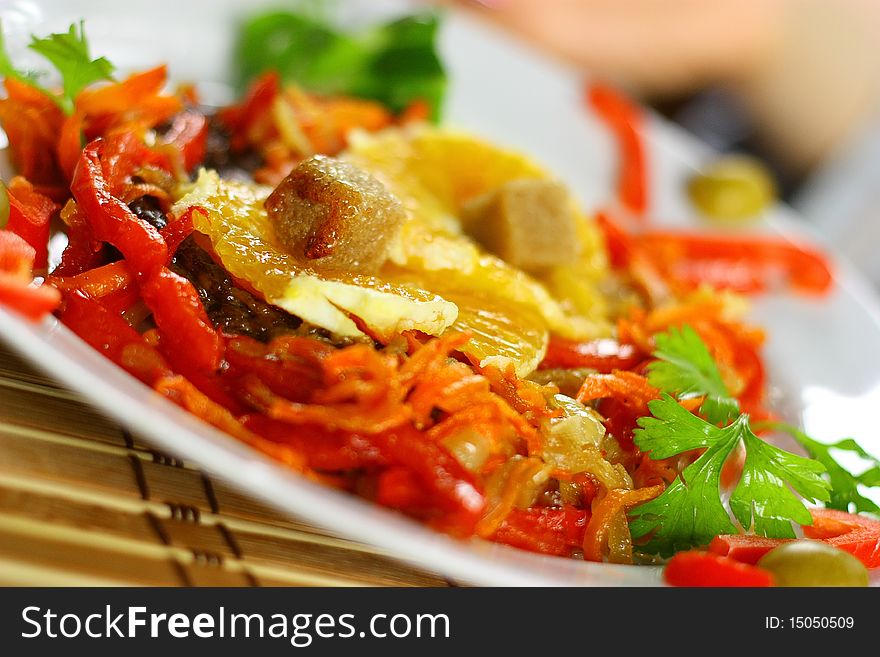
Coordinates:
(332, 215)
(528, 223)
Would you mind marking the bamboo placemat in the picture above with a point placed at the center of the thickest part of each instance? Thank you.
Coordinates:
(83, 502)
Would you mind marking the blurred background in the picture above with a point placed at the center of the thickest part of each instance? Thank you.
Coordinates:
(794, 82)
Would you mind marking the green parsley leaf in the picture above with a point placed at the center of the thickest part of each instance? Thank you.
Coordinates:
(762, 497)
(672, 430)
(395, 63)
(69, 53)
(845, 494)
(685, 368)
(690, 511)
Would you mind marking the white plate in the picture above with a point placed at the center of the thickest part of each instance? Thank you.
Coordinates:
(823, 355)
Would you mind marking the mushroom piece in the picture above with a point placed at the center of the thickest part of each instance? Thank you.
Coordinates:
(332, 215)
(529, 223)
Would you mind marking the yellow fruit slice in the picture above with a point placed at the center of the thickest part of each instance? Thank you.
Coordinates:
(242, 238)
(434, 172)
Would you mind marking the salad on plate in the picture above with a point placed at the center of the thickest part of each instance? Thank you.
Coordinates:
(422, 318)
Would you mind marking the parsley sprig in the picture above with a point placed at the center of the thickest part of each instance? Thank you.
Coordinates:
(68, 52)
(690, 512)
(685, 368)
(845, 494)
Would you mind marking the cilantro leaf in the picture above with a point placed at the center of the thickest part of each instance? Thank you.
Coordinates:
(395, 63)
(690, 511)
(845, 494)
(685, 368)
(69, 53)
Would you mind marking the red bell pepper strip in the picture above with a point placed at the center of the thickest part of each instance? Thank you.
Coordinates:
(29, 215)
(188, 134)
(32, 122)
(111, 220)
(398, 488)
(453, 488)
(743, 264)
(17, 290)
(70, 142)
(16, 255)
(136, 101)
(238, 119)
(545, 530)
(187, 334)
(704, 569)
(83, 251)
(108, 333)
(858, 535)
(619, 244)
(113, 285)
(33, 302)
(624, 118)
(98, 282)
(177, 231)
(603, 355)
(745, 548)
(323, 449)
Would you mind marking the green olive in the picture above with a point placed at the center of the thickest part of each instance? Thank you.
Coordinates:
(4, 205)
(813, 563)
(733, 188)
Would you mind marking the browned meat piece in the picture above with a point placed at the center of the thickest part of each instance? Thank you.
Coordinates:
(334, 215)
(528, 223)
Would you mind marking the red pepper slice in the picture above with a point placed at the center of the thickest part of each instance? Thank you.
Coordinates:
(744, 548)
(32, 122)
(188, 134)
(704, 569)
(399, 488)
(618, 243)
(743, 264)
(603, 355)
(98, 282)
(544, 530)
(323, 449)
(238, 119)
(624, 118)
(177, 231)
(858, 535)
(188, 336)
(108, 333)
(16, 288)
(33, 302)
(452, 486)
(111, 220)
(29, 215)
(16, 255)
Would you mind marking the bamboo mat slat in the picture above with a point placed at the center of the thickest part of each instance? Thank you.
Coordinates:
(83, 502)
